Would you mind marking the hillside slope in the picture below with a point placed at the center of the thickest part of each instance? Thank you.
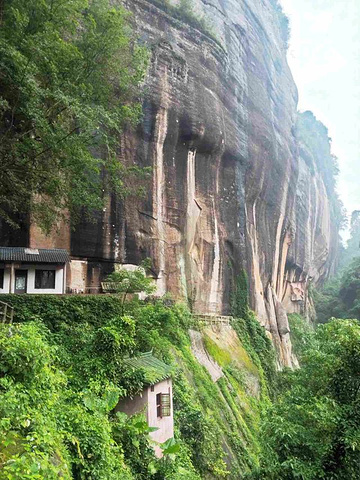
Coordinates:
(64, 369)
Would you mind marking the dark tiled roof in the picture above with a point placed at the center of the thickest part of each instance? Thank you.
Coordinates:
(154, 369)
(33, 255)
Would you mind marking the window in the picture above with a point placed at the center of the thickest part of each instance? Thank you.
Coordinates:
(1, 278)
(163, 405)
(45, 279)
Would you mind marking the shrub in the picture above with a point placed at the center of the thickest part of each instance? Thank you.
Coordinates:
(184, 12)
(302, 334)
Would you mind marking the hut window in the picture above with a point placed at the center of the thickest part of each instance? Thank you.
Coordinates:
(1, 278)
(163, 405)
(45, 279)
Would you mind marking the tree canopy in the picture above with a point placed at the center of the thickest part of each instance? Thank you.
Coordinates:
(70, 72)
(340, 297)
(313, 431)
(125, 281)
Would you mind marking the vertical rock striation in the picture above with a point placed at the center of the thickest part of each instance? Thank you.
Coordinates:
(220, 129)
(232, 186)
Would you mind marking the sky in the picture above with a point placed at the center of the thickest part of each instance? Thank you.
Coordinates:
(324, 56)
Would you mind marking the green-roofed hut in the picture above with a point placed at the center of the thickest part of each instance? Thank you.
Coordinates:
(156, 400)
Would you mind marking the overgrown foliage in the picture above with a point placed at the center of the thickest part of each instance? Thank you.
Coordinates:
(69, 78)
(340, 297)
(185, 12)
(49, 430)
(126, 282)
(58, 391)
(251, 333)
(62, 373)
(302, 335)
(312, 432)
(240, 296)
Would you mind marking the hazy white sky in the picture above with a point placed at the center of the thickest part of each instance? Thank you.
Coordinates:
(324, 57)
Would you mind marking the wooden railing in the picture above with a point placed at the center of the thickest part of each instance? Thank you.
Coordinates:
(6, 313)
(84, 291)
(110, 287)
(214, 319)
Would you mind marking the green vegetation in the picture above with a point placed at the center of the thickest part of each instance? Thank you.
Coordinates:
(302, 335)
(249, 330)
(312, 432)
(62, 372)
(240, 296)
(70, 72)
(185, 12)
(126, 282)
(352, 250)
(340, 297)
(222, 357)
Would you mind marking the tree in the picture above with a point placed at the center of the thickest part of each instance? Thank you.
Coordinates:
(125, 281)
(69, 78)
(340, 296)
(352, 250)
(350, 289)
(313, 431)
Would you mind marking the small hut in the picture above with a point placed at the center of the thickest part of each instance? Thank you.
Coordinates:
(156, 400)
(33, 270)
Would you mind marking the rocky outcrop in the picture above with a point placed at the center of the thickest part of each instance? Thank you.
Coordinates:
(317, 216)
(230, 190)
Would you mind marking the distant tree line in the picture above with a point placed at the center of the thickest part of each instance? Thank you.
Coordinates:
(340, 296)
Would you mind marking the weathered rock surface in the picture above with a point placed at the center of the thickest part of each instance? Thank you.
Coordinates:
(230, 190)
(202, 356)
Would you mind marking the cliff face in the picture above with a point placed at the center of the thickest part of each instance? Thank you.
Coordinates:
(230, 189)
(317, 214)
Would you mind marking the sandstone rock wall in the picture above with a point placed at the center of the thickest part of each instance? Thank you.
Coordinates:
(230, 189)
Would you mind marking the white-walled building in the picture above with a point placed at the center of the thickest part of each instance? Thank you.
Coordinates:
(156, 400)
(33, 270)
